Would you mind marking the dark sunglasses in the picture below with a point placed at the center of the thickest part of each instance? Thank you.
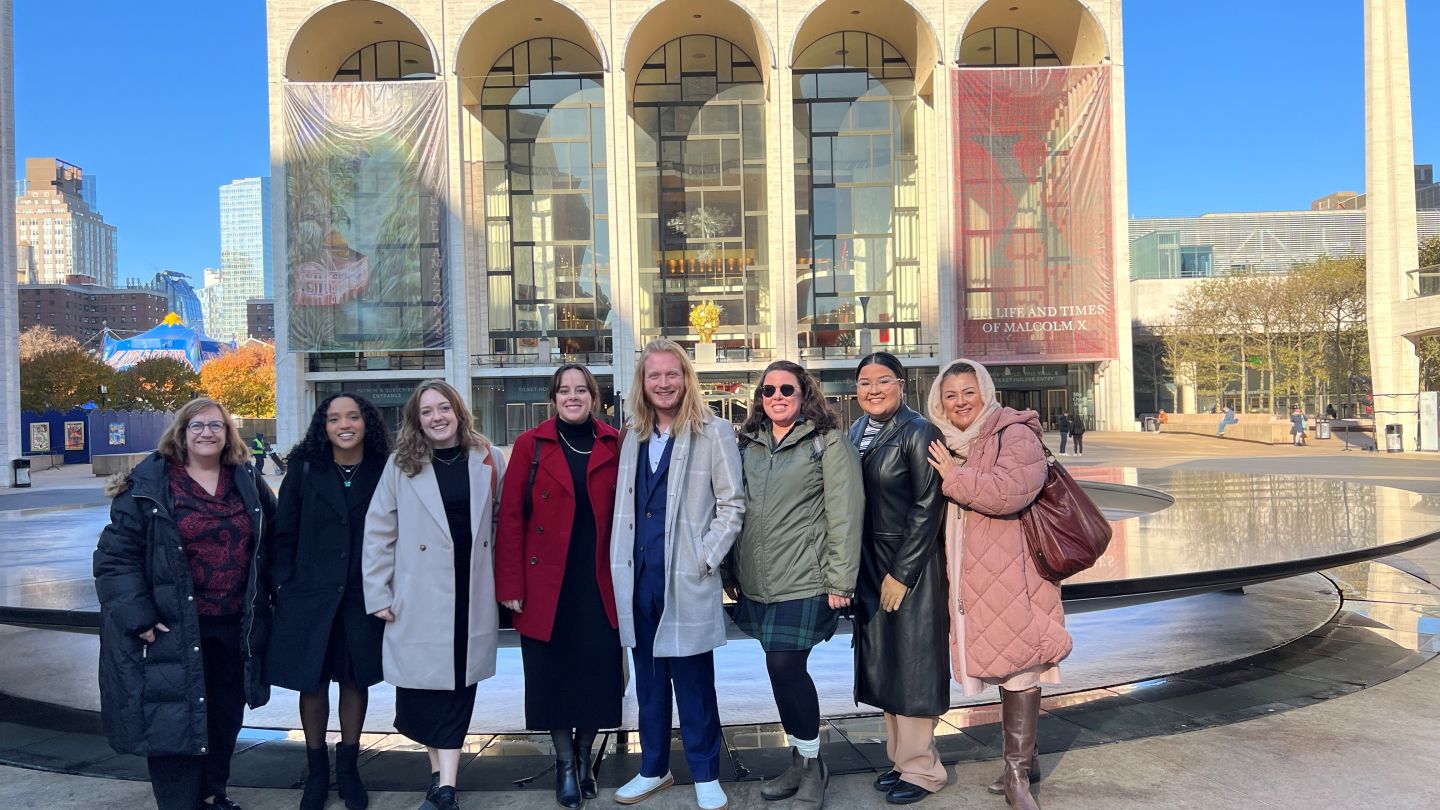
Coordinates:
(768, 391)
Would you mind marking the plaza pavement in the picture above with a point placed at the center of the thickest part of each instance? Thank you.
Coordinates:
(1371, 749)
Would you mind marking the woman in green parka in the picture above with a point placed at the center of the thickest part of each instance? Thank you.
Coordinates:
(794, 567)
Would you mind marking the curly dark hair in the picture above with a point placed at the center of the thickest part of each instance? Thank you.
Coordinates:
(315, 447)
(813, 407)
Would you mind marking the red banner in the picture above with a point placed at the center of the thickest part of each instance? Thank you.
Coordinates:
(1033, 247)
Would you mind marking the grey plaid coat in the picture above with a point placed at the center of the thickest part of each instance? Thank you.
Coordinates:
(703, 515)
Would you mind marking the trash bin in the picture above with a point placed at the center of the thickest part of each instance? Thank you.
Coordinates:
(20, 469)
(1322, 429)
(1394, 439)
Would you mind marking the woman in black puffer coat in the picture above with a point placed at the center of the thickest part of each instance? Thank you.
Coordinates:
(184, 609)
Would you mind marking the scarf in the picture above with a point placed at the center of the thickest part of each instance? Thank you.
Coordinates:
(958, 440)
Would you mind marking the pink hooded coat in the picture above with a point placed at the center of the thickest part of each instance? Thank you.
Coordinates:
(1013, 617)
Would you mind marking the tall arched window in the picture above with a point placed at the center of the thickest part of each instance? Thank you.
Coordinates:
(857, 196)
(699, 107)
(541, 129)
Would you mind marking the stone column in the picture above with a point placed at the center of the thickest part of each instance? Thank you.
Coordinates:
(9, 315)
(1390, 226)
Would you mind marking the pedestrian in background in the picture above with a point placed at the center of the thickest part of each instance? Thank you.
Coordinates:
(1063, 425)
(258, 449)
(1077, 434)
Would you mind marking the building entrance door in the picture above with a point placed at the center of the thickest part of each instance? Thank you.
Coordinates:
(1048, 403)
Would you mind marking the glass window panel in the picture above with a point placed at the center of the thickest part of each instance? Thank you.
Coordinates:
(501, 314)
(720, 119)
(702, 162)
(828, 116)
(822, 164)
(730, 165)
(852, 157)
(699, 53)
(872, 208)
(525, 124)
(698, 88)
(821, 53)
(832, 211)
(872, 114)
(844, 84)
(566, 122)
(647, 127)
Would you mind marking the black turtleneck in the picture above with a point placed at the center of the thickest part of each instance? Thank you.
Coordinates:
(577, 441)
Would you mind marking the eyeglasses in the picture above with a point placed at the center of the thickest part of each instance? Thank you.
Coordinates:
(883, 382)
(200, 427)
(768, 391)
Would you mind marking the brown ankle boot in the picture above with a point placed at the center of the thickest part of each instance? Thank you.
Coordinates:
(1019, 723)
(998, 786)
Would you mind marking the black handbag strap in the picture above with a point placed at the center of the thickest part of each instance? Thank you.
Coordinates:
(530, 481)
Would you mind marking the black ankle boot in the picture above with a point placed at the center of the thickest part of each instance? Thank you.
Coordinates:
(585, 766)
(317, 779)
(347, 777)
(567, 780)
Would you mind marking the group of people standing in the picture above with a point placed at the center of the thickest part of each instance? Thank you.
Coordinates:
(391, 560)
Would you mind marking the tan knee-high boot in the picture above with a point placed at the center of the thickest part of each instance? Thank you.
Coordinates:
(1019, 723)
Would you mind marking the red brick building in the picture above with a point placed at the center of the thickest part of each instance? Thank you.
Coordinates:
(83, 310)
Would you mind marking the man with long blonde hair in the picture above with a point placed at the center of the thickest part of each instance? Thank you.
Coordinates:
(678, 509)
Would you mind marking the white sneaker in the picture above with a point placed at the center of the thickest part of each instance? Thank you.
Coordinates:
(643, 787)
(710, 796)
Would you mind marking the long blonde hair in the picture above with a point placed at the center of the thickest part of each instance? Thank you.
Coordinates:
(413, 448)
(692, 415)
(172, 442)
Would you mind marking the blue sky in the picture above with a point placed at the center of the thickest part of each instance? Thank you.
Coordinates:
(1221, 116)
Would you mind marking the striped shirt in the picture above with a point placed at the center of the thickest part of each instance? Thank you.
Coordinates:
(872, 429)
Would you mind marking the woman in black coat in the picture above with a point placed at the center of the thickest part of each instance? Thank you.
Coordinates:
(902, 646)
(184, 609)
(322, 632)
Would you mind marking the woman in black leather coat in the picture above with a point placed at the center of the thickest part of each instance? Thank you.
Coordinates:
(901, 627)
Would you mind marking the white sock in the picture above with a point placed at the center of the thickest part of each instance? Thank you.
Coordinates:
(809, 749)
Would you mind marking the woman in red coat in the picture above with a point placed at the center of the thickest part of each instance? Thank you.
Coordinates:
(552, 568)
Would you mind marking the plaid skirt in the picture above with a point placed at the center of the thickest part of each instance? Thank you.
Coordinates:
(795, 624)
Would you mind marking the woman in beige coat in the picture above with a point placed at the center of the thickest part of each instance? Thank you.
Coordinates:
(1007, 622)
(429, 573)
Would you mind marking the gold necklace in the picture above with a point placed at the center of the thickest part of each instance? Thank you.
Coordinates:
(447, 461)
(573, 447)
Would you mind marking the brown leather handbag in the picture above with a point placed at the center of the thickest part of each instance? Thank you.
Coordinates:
(1065, 531)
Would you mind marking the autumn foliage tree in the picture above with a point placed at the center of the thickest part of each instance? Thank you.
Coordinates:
(58, 373)
(243, 380)
(157, 384)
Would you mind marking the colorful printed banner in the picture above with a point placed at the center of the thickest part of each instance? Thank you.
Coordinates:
(1034, 248)
(365, 190)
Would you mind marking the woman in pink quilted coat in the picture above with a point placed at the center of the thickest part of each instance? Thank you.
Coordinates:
(1007, 626)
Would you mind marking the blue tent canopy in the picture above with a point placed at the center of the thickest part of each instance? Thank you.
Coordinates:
(171, 338)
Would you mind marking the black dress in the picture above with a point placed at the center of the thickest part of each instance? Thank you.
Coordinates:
(439, 718)
(574, 680)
